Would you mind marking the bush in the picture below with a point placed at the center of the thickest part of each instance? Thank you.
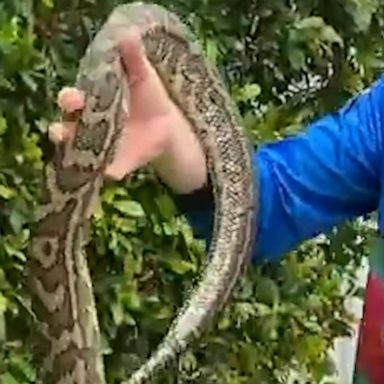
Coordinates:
(275, 58)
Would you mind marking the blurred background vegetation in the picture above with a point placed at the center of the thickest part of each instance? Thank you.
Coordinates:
(285, 63)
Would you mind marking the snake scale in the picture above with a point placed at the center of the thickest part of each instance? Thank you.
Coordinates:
(59, 279)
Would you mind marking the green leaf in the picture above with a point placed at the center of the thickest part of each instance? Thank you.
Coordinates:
(311, 22)
(3, 304)
(29, 81)
(212, 51)
(17, 220)
(117, 313)
(131, 299)
(6, 192)
(180, 266)
(362, 12)
(3, 122)
(130, 208)
(267, 291)
(330, 35)
(296, 58)
(165, 206)
(48, 3)
(7, 378)
(251, 91)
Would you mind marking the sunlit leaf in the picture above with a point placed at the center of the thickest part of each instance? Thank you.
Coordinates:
(130, 208)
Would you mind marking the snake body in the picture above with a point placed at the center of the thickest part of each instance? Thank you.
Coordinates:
(60, 283)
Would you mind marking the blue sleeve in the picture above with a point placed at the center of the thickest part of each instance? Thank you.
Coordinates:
(311, 182)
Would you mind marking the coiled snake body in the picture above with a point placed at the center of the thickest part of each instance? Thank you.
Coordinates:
(60, 283)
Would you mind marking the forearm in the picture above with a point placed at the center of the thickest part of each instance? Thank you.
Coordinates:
(182, 166)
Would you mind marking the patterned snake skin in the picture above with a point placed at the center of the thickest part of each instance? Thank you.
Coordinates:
(59, 279)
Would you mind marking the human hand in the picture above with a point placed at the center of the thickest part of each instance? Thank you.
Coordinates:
(155, 131)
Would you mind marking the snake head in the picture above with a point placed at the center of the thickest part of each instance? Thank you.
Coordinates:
(101, 79)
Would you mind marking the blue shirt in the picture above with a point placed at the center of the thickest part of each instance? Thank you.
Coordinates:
(312, 182)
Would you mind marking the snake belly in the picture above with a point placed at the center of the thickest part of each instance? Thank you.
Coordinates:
(61, 287)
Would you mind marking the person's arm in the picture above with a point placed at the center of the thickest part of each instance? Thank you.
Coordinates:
(311, 182)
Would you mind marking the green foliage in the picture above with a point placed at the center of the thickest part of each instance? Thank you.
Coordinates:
(143, 256)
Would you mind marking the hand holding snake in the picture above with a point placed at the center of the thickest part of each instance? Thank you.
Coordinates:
(156, 131)
(152, 99)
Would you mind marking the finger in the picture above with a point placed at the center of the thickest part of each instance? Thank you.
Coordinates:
(70, 99)
(133, 56)
(58, 132)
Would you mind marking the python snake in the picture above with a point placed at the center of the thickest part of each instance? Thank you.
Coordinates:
(59, 280)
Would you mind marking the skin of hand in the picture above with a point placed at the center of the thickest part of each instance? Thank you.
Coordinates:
(155, 132)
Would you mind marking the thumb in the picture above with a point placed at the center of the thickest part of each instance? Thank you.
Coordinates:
(133, 57)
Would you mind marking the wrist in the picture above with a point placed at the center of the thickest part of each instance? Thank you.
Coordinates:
(182, 164)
